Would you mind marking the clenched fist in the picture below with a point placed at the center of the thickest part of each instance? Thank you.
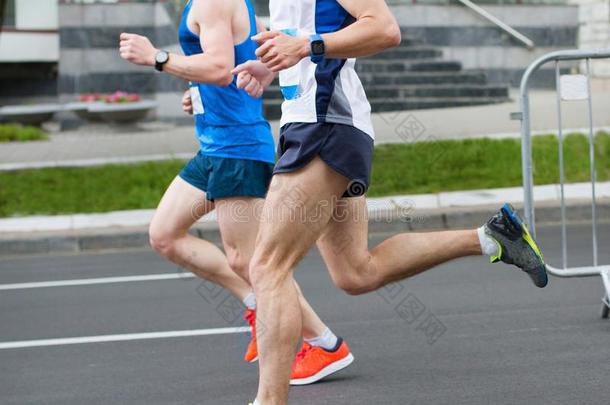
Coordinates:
(279, 51)
(253, 77)
(187, 102)
(137, 49)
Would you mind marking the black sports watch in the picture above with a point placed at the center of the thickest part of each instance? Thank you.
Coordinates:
(161, 59)
(317, 48)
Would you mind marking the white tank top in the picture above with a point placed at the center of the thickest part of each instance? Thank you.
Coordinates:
(326, 92)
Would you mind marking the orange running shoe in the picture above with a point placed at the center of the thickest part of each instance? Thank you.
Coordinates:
(313, 363)
(252, 352)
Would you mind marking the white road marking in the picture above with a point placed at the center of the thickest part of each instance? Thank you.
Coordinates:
(90, 281)
(121, 338)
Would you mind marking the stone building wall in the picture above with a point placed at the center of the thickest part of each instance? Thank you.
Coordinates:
(594, 33)
(89, 57)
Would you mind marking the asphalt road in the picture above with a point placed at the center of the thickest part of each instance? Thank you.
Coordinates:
(472, 333)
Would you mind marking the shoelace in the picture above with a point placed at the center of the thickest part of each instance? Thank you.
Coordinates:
(250, 317)
(305, 350)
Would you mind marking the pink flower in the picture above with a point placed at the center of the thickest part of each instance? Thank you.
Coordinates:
(121, 97)
(90, 97)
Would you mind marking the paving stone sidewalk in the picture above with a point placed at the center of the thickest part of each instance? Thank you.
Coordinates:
(101, 144)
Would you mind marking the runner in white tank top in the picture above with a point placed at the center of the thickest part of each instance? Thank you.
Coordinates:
(329, 91)
(325, 153)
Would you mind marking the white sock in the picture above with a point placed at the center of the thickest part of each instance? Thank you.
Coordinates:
(250, 301)
(489, 247)
(327, 340)
(256, 402)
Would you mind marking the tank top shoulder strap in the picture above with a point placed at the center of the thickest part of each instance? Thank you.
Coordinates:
(252, 15)
(185, 15)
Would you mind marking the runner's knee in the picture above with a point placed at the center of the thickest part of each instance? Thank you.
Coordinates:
(238, 263)
(267, 274)
(162, 241)
(353, 285)
(355, 280)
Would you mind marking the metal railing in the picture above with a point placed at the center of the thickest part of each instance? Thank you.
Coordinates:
(490, 2)
(526, 154)
(529, 44)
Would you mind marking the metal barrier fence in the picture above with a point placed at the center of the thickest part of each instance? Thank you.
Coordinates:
(568, 87)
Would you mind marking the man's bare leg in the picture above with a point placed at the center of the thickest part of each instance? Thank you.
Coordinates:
(283, 240)
(312, 325)
(181, 206)
(344, 247)
(292, 219)
(238, 222)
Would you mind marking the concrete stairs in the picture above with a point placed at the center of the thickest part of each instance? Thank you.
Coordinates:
(413, 76)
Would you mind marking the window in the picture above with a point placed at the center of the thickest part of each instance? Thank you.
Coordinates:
(7, 15)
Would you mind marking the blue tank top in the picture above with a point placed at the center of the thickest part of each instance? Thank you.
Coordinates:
(229, 123)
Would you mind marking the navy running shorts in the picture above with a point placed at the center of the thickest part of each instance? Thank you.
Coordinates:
(221, 177)
(344, 148)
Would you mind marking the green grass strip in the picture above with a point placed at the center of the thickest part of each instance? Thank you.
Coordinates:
(431, 167)
(427, 167)
(18, 133)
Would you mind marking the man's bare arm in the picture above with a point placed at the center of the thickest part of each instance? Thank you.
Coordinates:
(253, 76)
(374, 30)
(213, 66)
(216, 33)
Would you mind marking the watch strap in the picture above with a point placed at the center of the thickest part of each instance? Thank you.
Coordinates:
(159, 65)
(316, 57)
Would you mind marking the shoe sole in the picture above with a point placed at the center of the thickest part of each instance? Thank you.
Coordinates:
(325, 372)
(540, 270)
(254, 360)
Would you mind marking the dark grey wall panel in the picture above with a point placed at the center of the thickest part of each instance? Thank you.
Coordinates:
(16, 88)
(143, 83)
(108, 37)
(492, 36)
(26, 79)
(544, 78)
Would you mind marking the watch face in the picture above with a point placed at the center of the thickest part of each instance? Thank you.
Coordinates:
(318, 48)
(161, 57)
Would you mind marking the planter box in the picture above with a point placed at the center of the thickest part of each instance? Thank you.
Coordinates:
(122, 112)
(100, 111)
(81, 109)
(29, 114)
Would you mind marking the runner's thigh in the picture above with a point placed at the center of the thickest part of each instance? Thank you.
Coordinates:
(238, 219)
(343, 243)
(298, 206)
(181, 206)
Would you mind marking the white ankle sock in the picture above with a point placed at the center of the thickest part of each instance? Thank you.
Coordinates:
(488, 245)
(250, 301)
(327, 340)
(256, 402)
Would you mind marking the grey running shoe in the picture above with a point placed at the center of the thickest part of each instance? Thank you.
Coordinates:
(516, 245)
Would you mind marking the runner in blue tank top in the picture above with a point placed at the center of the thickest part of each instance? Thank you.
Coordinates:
(232, 171)
(229, 122)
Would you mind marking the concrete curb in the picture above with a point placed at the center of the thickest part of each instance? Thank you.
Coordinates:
(380, 221)
(93, 162)
(377, 207)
